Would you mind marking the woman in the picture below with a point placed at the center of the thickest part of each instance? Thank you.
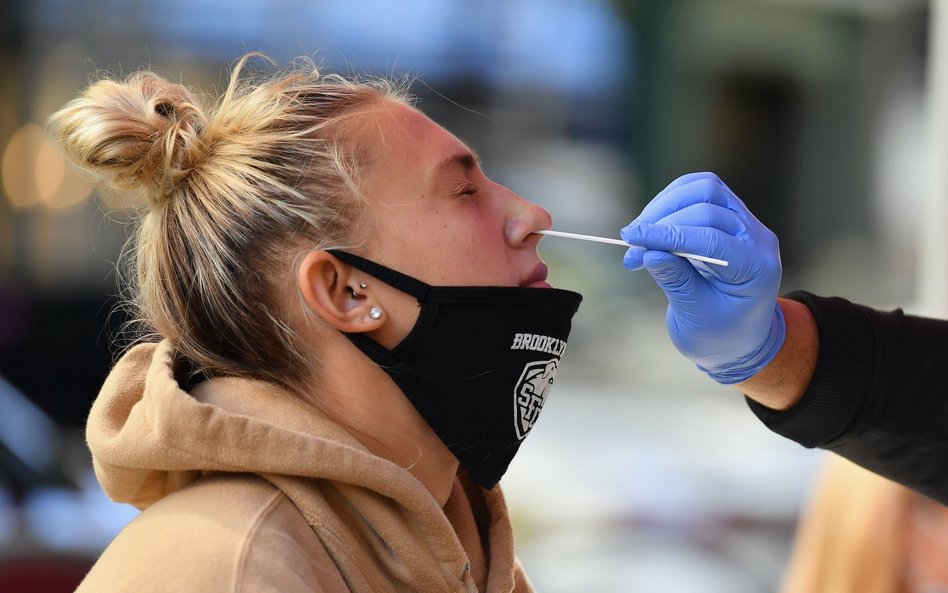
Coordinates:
(352, 330)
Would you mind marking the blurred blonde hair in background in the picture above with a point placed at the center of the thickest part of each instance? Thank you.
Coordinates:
(852, 536)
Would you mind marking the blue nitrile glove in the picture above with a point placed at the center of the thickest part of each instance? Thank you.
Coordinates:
(725, 319)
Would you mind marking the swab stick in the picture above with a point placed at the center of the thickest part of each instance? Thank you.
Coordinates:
(704, 258)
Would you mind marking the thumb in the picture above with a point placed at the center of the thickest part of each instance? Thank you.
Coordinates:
(633, 258)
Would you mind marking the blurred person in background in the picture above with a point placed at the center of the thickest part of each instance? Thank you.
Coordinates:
(302, 416)
(862, 533)
(866, 384)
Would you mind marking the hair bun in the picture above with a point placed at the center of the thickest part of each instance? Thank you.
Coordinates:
(144, 133)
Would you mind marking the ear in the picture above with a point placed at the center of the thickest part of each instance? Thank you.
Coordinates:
(332, 291)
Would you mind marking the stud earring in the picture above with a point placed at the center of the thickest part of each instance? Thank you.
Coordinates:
(375, 313)
(363, 285)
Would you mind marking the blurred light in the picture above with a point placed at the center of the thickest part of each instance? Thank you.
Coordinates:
(25, 430)
(49, 171)
(19, 160)
(73, 188)
(69, 520)
(35, 172)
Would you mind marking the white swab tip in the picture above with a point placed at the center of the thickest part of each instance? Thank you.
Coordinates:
(701, 258)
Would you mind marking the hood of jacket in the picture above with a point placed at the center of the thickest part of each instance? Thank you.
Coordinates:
(149, 437)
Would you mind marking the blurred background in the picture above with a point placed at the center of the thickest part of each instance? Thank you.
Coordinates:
(643, 475)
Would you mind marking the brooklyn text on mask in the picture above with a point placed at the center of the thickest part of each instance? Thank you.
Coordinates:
(539, 343)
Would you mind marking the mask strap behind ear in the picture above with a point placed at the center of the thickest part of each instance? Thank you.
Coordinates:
(406, 284)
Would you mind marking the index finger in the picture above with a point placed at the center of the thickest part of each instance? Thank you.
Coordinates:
(687, 190)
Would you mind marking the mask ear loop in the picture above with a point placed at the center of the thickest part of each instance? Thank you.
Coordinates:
(406, 284)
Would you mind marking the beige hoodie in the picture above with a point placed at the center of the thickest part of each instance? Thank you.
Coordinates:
(245, 488)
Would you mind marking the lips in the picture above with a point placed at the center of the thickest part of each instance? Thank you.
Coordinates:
(537, 278)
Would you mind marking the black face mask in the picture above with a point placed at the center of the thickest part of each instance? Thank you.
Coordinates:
(478, 364)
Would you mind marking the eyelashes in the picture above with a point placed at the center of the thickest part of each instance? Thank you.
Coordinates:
(465, 188)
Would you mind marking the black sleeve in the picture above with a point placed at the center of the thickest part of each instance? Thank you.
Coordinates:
(879, 395)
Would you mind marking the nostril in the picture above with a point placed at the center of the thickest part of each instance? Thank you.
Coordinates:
(524, 219)
(512, 233)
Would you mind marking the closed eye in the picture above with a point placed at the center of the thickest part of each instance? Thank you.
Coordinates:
(466, 188)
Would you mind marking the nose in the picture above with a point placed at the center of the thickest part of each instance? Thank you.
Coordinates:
(523, 219)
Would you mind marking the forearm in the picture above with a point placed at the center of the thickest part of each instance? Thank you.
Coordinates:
(877, 395)
(782, 383)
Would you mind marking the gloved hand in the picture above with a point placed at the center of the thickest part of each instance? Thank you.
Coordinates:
(725, 319)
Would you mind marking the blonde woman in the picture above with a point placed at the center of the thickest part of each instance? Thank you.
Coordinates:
(862, 533)
(352, 334)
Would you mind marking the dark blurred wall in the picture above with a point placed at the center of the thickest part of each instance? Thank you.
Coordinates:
(778, 98)
(57, 350)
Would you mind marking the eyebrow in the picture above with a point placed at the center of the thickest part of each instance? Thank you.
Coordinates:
(467, 160)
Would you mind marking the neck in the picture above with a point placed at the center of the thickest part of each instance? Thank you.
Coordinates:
(364, 400)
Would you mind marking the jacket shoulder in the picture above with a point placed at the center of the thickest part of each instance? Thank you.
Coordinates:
(225, 532)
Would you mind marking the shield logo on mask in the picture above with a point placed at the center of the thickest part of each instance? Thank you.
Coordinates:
(530, 394)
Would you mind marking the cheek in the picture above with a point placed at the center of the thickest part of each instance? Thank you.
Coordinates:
(479, 242)
(457, 243)
(461, 226)
(476, 225)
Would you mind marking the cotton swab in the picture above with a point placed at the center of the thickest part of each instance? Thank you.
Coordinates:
(704, 258)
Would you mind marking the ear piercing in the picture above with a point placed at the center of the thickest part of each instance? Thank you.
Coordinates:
(362, 286)
(374, 312)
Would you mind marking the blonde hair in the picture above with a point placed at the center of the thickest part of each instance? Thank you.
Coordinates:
(273, 166)
(850, 538)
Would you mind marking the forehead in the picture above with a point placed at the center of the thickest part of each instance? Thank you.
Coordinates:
(403, 133)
